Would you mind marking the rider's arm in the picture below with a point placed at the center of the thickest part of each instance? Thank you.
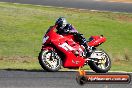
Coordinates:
(70, 29)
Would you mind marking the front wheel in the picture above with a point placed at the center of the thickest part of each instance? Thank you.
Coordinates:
(102, 63)
(49, 60)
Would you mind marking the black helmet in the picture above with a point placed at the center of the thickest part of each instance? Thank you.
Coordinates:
(61, 22)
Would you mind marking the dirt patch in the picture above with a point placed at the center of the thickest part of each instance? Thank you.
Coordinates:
(120, 63)
(119, 17)
(22, 59)
(124, 18)
(124, 1)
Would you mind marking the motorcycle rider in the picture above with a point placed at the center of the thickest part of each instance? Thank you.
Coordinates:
(63, 27)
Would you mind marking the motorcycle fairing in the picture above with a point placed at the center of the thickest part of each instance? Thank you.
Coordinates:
(70, 60)
(66, 45)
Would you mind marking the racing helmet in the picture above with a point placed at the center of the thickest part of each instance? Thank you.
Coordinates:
(61, 23)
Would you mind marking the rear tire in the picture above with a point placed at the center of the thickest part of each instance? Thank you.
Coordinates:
(49, 60)
(101, 67)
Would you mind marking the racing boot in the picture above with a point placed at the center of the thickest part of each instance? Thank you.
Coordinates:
(88, 50)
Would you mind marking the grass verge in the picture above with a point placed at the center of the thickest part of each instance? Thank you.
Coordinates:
(22, 28)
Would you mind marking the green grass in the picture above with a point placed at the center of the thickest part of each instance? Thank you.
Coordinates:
(23, 26)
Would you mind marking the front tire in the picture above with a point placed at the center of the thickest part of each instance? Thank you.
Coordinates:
(49, 60)
(103, 63)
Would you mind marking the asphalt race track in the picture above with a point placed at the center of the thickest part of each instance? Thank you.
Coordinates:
(81, 4)
(41, 79)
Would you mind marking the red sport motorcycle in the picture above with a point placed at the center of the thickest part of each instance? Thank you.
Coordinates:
(62, 50)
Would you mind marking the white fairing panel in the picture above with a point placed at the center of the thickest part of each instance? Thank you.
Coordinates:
(45, 39)
(66, 47)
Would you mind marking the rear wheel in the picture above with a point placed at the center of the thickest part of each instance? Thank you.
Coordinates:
(49, 60)
(102, 63)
